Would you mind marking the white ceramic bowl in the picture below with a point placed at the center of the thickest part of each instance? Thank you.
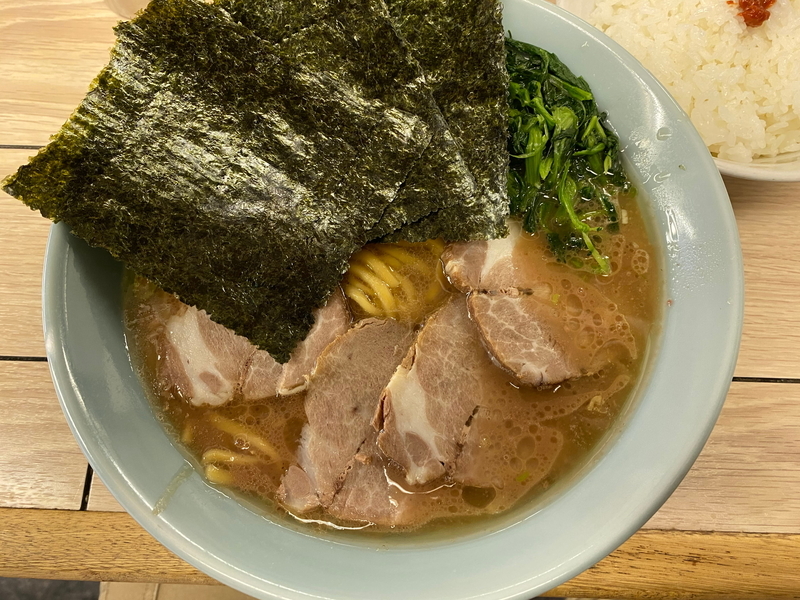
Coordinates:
(529, 549)
(784, 167)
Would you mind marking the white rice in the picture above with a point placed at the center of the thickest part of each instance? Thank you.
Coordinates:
(740, 85)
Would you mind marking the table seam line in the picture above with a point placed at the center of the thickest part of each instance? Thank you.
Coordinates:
(20, 147)
(87, 487)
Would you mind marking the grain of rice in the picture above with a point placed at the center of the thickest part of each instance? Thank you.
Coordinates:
(740, 85)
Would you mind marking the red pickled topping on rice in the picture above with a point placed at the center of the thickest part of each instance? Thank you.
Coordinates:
(755, 12)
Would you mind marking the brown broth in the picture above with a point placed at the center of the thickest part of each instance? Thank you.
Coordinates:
(523, 425)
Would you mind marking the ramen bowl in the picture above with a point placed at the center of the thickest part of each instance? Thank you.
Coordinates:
(523, 552)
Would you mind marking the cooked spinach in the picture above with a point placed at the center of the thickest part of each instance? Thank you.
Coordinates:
(565, 167)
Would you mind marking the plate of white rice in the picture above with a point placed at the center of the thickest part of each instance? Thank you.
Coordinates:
(739, 85)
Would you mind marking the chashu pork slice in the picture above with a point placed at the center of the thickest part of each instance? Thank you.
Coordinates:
(340, 403)
(367, 495)
(540, 321)
(297, 491)
(484, 265)
(527, 336)
(209, 364)
(204, 360)
(265, 377)
(543, 342)
(330, 321)
(429, 400)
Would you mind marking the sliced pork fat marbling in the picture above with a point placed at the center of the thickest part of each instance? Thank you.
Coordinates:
(487, 265)
(544, 342)
(374, 493)
(297, 491)
(204, 359)
(367, 494)
(528, 337)
(261, 376)
(209, 363)
(342, 398)
(426, 405)
(540, 320)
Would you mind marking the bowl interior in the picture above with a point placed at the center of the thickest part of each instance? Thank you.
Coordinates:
(534, 548)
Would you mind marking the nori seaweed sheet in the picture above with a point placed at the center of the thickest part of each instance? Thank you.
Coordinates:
(356, 41)
(459, 44)
(223, 172)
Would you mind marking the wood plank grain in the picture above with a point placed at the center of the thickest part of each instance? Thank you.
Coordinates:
(748, 475)
(51, 51)
(91, 546)
(100, 499)
(41, 465)
(709, 566)
(771, 333)
(652, 564)
(168, 591)
(23, 235)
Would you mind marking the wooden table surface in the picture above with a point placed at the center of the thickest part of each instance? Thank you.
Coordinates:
(731, 530)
